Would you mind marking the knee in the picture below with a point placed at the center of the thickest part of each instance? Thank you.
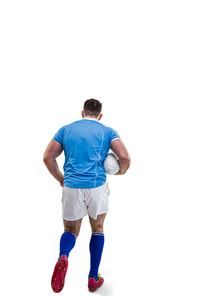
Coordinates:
(98, 228)
(72, 226)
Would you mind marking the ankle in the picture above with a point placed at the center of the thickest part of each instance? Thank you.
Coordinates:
(93, 276)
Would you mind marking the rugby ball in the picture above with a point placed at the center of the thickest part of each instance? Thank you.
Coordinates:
(111, 165)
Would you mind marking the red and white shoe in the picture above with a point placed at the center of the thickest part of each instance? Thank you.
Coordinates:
(58, 277)
(93, 285)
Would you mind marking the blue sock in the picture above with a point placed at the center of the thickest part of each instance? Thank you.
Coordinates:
(67, 243)
(96, 249)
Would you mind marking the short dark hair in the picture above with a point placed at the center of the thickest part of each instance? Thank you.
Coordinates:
(92, 107)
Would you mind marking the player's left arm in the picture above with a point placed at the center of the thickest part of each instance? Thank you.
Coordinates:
(118, 147)
(53, 150)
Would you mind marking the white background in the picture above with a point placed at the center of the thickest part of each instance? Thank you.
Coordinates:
(139, 59)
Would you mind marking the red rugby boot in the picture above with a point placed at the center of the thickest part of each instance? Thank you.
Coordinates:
(93, 285)
(58, 278)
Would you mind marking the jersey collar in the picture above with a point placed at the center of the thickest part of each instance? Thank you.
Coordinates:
(90, 118)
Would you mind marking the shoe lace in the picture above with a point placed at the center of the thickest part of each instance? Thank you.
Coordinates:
(99, 277)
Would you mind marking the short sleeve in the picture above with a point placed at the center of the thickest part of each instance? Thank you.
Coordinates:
(114, 135)
(59, 135)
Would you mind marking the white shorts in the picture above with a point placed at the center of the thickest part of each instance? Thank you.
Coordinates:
(78, 203)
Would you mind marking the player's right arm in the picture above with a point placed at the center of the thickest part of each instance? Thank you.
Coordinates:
(118, 147)
(53, 150)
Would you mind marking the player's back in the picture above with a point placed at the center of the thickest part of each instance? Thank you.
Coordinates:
(86, 143)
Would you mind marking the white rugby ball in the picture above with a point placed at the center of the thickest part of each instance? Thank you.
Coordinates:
(111, 165)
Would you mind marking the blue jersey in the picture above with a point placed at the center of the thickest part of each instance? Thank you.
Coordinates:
(86, 143)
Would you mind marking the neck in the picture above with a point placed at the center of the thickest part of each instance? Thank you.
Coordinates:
(90, 117)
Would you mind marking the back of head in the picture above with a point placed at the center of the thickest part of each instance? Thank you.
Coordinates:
(92, 107)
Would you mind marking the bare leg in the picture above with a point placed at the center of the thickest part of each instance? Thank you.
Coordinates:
(97, 225)
(72, 226)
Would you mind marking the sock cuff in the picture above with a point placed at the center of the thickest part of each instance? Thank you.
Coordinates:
(97, 234)
(72, 234)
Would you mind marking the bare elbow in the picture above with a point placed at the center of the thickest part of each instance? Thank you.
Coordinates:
(124, 163)
(129, 160)
(45, 158)
(125, 157)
